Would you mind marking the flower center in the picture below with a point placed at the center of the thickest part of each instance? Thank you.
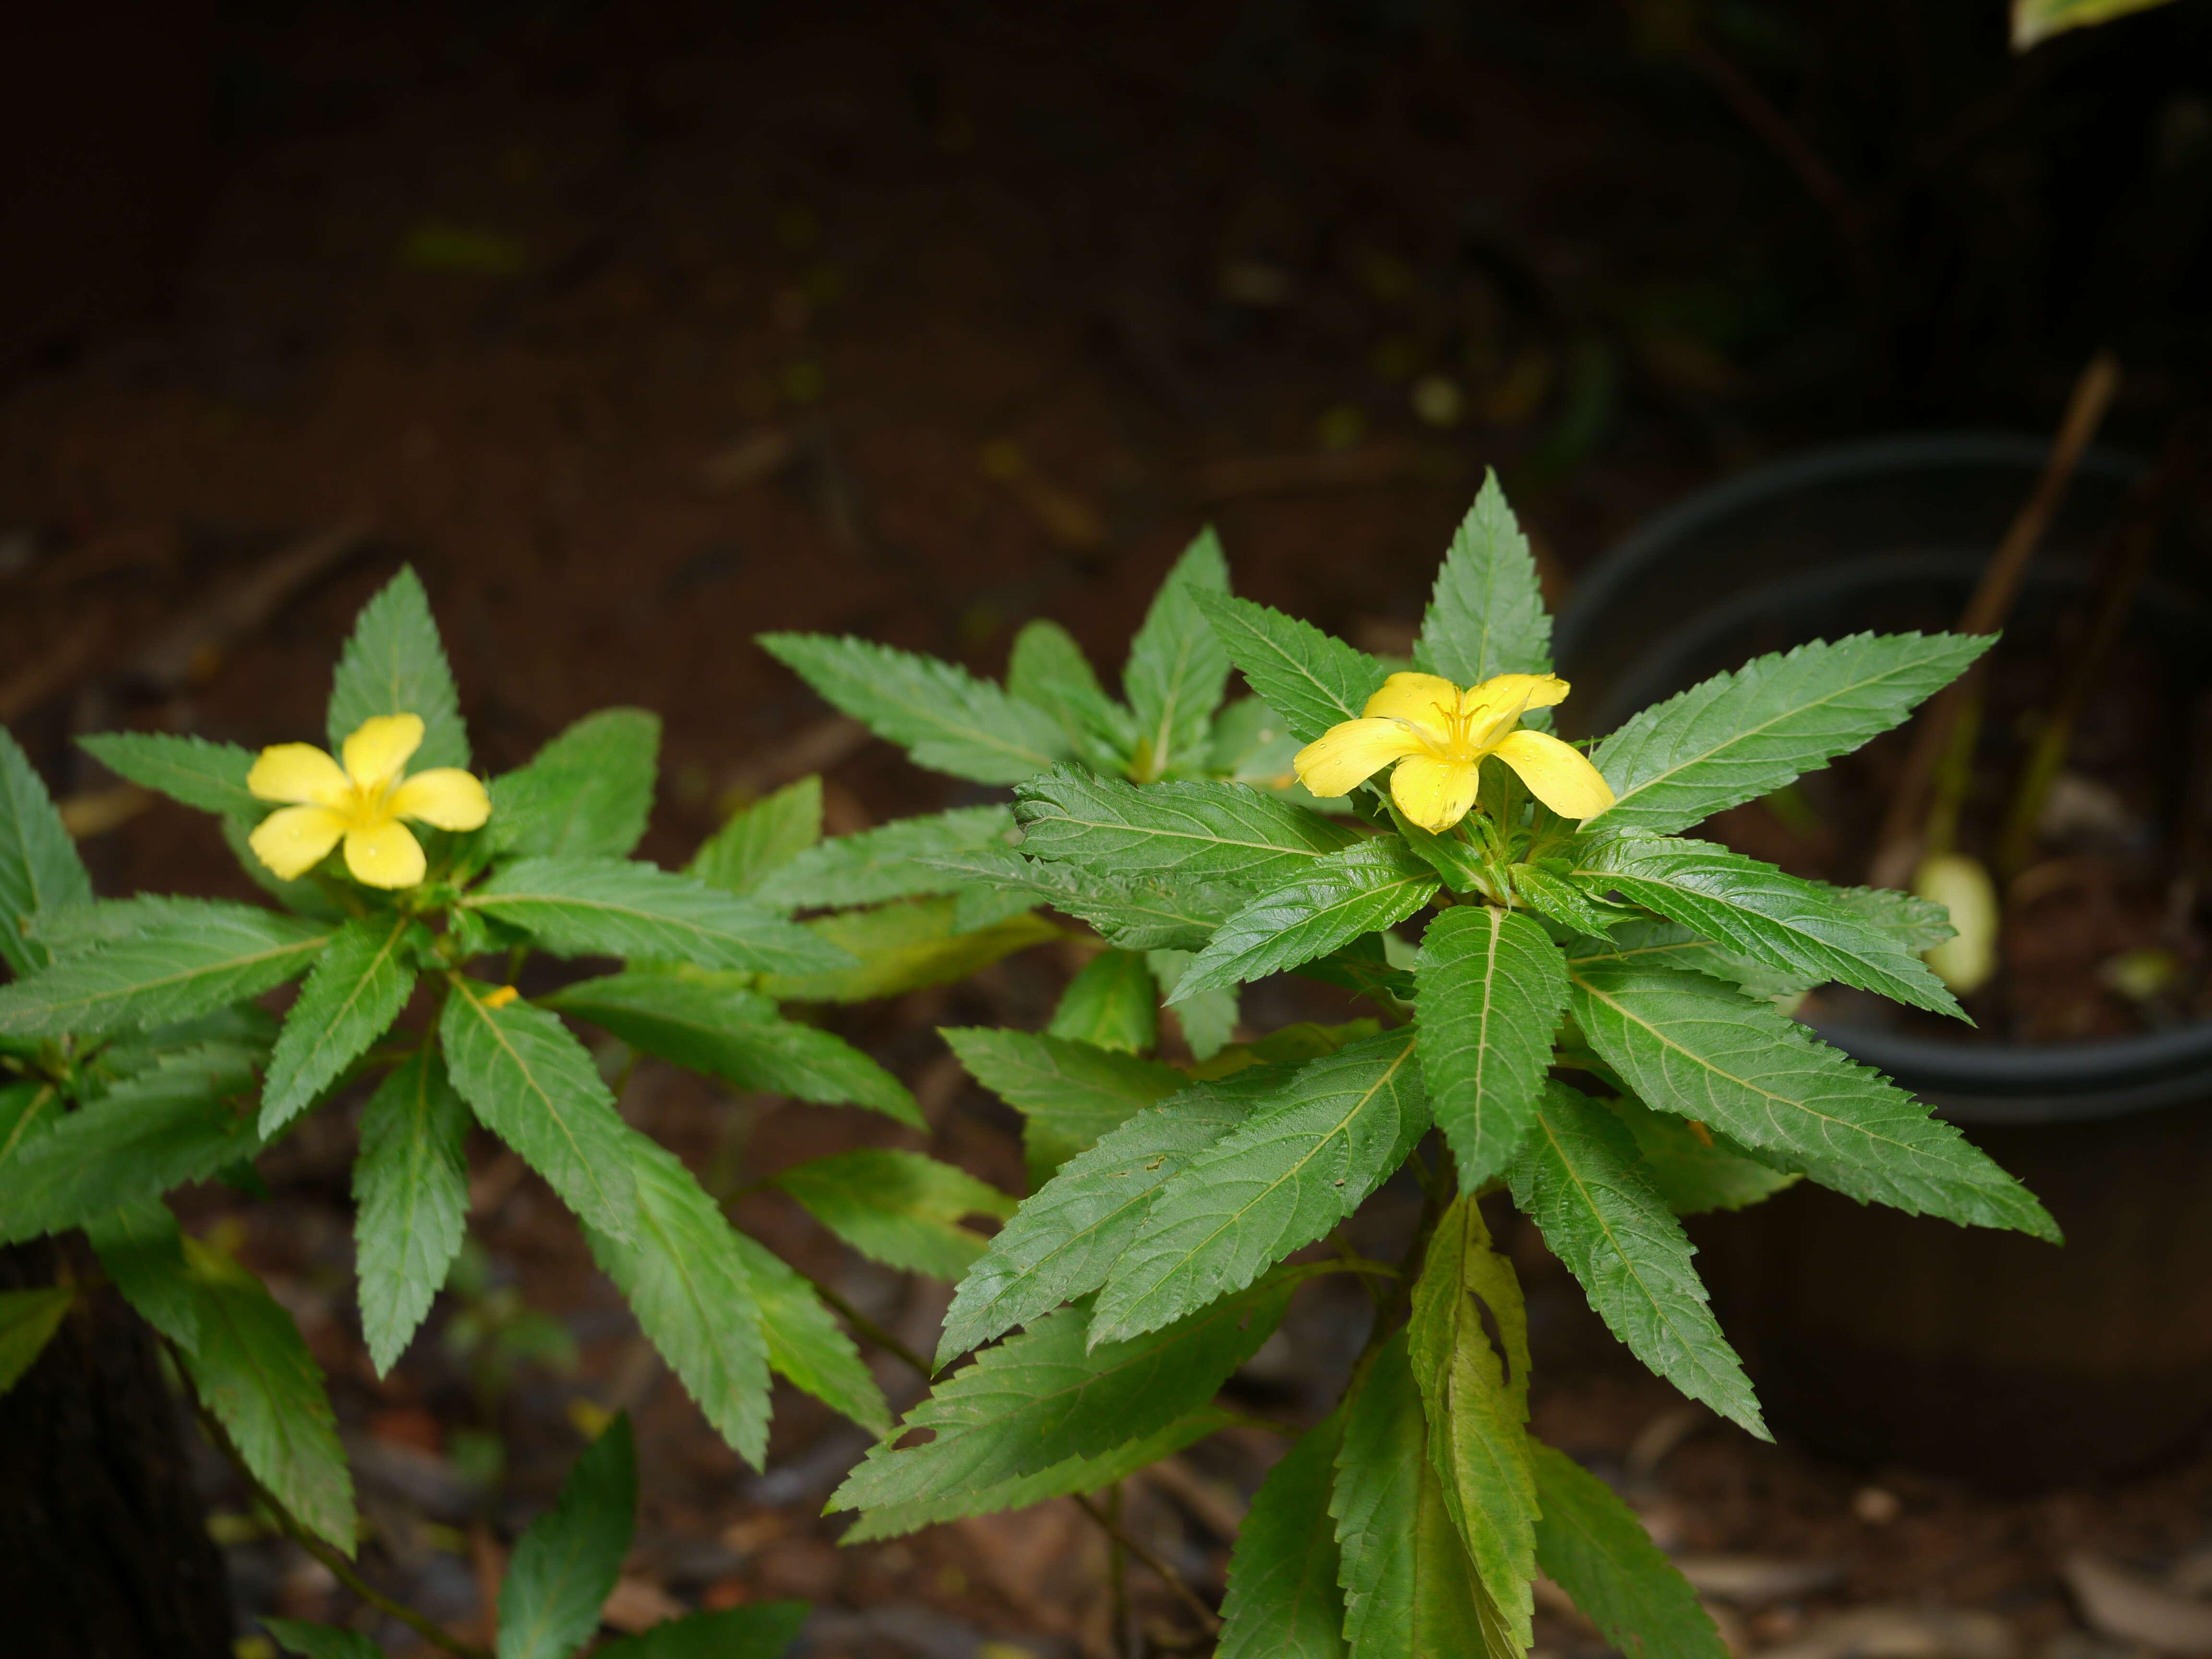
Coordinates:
(367, 808)
(1464, 744)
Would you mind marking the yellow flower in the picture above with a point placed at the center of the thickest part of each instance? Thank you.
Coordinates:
(362, 802)
(1439, 735)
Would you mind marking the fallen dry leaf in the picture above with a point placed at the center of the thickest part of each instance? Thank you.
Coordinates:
(2117, 1603)
(1891, 1632)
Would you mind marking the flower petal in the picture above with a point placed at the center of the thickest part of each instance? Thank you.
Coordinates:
(380, 747)
(446, 797)
(1556, 774)
(386, 856)
(293, 841)
(1425, 698)
(1493, 706)
(298, 772)
(1347, 754)
(1435, 794)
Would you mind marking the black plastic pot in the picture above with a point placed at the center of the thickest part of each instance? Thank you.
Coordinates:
(1874, 1336)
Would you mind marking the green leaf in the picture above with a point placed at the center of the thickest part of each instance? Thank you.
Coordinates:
(1177, 671)
(613, 908)
(585, 794)
(28, 1320)
(1113, 1003)
(182, 1121)
(1049, 670)
(40, 870)
(1252, 743)
(565, 1566)
(355, 991)
(1462, 867)
(1283, 1601)
(208, 775)
(1067, 1236)
(1558, 899)
(141, 1250)
(1280, 1180)
(1043, 1396)
(902, 946)
(1580, 1181)
(27, 1112)
(763, 1630)
(170, 972)
(1474, 1393)
(1776, 920)
(321, 1641)
(883, 864)
(947, 720)
(1193, 829)
(410, 1193)
(1208, 1019)
(1687, 1045)
(758, 840)
(899, 1208)
(1591, 1544)
(394, 663)
(1694, 1175)
(1486, 616)
(252, 1370)
(1363, 889)
(83, 927)
(1135, 913)
(1646, 942)
(1409, 1586)
(805, 1344)
(1492, 989)
(1312, 679)
(687, 1282)
(532, 1084)
(1916, 923)
(1072, 1093)
(712, 1022)
(1742, 735)
(2035, 20)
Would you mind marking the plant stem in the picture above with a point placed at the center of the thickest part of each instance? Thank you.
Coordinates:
(1117, 1573)
(866, 1328)
(1190, 1598)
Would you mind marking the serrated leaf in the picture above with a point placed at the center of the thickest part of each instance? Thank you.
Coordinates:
(1916, 923)
(1113, 1003)
(714, 1023)
(1409, 1586)
(410, 1193)
(28, 1320)
(1558, 899)
(1650, 943)
(355, 991)
(210, 776)
(1282, 1179)
(395, 664)
(1789, 925)
(613, 908)
(321, 1641)
(756, 842)
(762, 1630)
(805, 1344)
(27, 1111)
(1457, 863)
(884, 863)
(1252, 743)
(1689, 1045)
(902, 946)
(1208, 1019)
(1486, 616)
(1474, 1393)
(585, 794)
(533, 1085)
(1591, 1544)
(1070, 1093)
(1043, 1396)
(83, 927)
(1492, 989)
(1288, 1045)
(1741, 735)
(1047, 669)
(1374, 884)
(252, 1370)
(182, 1121)
(685, 1278)
(1135, 913)
(141, 1251)
(947, 720)
(174, 971)
(1177, 670)
(1067, 1236)
(1312, 679)
(1579, 1179)
(565, 1565)
(1193, 829)
(900, 1208)
(1282, 1601)
(39, 869)
(1696, 1172)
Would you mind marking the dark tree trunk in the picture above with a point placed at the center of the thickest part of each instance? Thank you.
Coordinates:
(104, 1549)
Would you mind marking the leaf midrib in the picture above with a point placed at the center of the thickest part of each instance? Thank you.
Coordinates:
(140, 987)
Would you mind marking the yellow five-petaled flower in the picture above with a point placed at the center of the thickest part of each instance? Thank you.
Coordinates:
(362, 802)
(1439, 735)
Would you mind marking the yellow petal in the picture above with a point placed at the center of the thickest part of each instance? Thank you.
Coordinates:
(1556, 775)
(380, 746)
(445, 796)
(386, 856)
(1422, 698)
(1435, 794)
(298, 772)
(1347, 754)
(1492, 707)
(292, 842)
